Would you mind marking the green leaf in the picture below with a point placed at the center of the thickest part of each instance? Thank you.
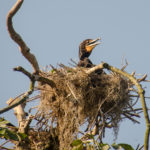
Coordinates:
(126, 146)
(7, 134)
(90, 136)
(115, 146)
(69, 71)
(77, 145)
(12, 135)
(53, 70)
(2, 132)
(1, 119)
(22, 135)
(76, 142)
(4, 123)
(104, 146)
(123, 146)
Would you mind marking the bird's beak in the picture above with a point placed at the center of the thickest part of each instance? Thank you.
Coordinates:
(92, 44)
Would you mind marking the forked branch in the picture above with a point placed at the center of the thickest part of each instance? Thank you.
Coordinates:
(25, 50)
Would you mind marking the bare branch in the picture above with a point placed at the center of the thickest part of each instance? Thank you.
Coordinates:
(143, 78)
(34, 77)
(100, 66)
(131, 118)
(123, 68)
(19, 101)
(133, 73)
(21, 115)
(17, 38)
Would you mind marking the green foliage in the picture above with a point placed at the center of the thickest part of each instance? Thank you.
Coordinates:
(77, 145)
(8, 134)
(94, 145)
(3, 123)
(52, 71)
(122, 146)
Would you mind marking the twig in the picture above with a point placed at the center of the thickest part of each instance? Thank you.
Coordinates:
(133, 73)
(20, 101)
(123, 68)
(34, 77)
(102, 127)
(17, 38)
(143, 78)
(132, 114)
(100, 66)
(26, 124)
(127, 116)
(72, 92)
(139, 148)
(74, 62)
(34, 98)
(4, 143)
(147, 80)
(98, 110)
(10, 101)
(32, 108)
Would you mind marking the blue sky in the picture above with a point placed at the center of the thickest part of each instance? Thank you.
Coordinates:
(54, 29)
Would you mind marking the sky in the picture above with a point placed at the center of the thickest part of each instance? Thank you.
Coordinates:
(54, 29)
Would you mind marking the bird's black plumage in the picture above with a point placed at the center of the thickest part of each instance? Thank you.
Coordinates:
(86, 63)
(85, 50)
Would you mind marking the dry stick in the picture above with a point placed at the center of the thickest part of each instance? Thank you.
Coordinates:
(143, 78)
(100, 66)
(35, 77)
(17, 38)
(1, 146)
(20, 101)
(19, 110)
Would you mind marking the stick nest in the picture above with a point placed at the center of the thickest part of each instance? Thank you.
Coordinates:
(97, 100)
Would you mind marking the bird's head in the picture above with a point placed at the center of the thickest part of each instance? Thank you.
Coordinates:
(87, 46)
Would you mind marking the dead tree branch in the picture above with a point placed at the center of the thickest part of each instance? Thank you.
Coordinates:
(19, 101)
(93, 69)
(34, 77)
(17, 38)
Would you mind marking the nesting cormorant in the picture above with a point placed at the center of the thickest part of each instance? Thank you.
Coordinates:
(85, 50)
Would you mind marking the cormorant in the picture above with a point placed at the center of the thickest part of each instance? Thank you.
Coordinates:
(85, 50)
